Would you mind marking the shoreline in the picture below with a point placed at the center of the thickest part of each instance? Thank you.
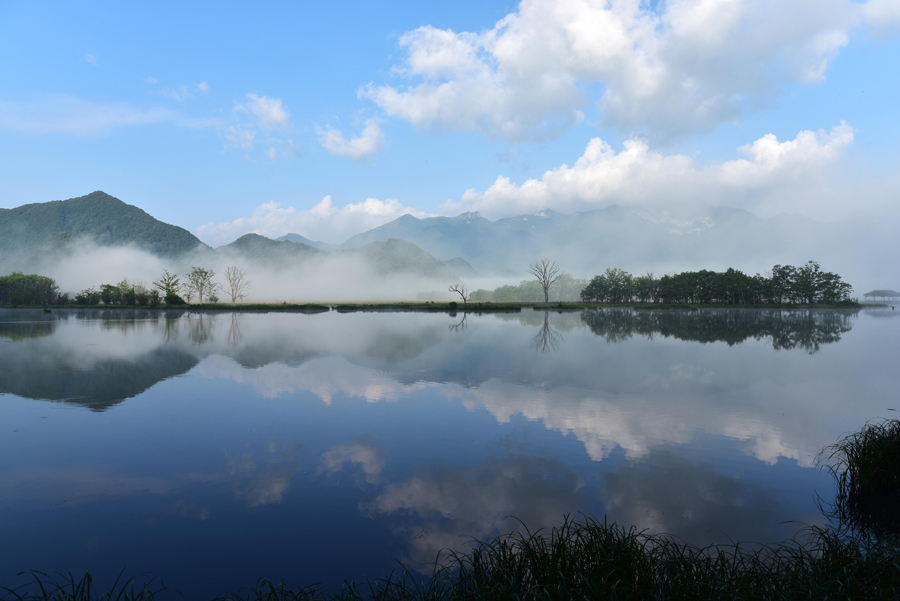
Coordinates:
(433, 307)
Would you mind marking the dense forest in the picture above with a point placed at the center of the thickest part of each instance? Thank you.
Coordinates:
(805, 285)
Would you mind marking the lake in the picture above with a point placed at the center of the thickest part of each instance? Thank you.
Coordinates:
(216, 448)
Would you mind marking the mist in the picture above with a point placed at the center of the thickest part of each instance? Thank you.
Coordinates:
(326, 278)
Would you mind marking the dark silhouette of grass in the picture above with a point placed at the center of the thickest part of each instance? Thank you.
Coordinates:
(866, 470)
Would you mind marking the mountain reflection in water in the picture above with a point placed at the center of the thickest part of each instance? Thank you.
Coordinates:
(321, 447)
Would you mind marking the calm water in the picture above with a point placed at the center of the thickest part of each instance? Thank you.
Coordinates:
(213, 449)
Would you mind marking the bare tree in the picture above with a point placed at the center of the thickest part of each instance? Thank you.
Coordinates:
(200, 281)
(461, 290)
(547, 273)
(238, 284)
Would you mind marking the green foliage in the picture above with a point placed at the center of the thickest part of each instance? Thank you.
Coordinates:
(168, 284)
(97, 216)
(18, 289)
(200, 282)
(88, 296)
(807, 285)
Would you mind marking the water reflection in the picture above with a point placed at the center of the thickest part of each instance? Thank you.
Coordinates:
(547, 338)
(808, 329)
(419, 430)
(445, 508)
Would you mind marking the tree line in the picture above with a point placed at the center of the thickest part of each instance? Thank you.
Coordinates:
(786, 284)
(18, 289)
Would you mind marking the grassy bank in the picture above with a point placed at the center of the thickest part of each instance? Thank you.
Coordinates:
(425, 307)
(582, 559)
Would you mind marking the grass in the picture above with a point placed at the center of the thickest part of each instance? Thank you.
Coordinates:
(866, 469)
(65, 587)
(588, 559)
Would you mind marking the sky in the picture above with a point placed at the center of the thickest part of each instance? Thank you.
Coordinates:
(328, 119)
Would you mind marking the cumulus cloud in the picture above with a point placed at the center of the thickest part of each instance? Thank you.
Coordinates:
(882, 16)
(268, 113)
(202, 87)
(360, 452)
(769, 176)
(324, 221)
(64, 114)
(369, 141)
(686, 66)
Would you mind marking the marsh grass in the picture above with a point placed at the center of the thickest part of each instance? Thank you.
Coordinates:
(866, 469)
(586, 559)
(66, 587)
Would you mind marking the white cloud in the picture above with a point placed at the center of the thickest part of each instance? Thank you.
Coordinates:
(770, 177)
(202, 87)
(64, 114)
(686, 67)
(361, 452)
(269, 113)
(179, 93)
(150, 80)
(90, 58)
(239, 137)
(362, 147)
(272, 153)
(323, 221)
(882, 16)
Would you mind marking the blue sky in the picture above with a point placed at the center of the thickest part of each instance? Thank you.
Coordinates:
(229, 118)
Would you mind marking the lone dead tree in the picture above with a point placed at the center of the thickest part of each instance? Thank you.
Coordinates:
(238, 284)
(547, 273)
(461, 290)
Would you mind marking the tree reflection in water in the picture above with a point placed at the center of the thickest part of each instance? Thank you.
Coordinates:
(786, 328)
(234, 330)
(462, 325)
(547, 338)
(201, 328)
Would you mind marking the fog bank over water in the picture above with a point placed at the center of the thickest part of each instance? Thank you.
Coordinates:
(325, 277)
(634, 239)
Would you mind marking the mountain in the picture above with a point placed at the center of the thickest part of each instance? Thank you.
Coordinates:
(400, 256)
(272, 252)
(638, 239)
(301, 240)
(98, 217)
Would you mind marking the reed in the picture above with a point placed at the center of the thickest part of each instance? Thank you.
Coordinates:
(866, 470)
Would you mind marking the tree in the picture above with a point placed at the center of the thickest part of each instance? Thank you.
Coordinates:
(546, 272)
(461, 290)
(169, 285)
(238, 284)
(200, 281)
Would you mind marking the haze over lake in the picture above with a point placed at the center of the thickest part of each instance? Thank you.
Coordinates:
(215, 448)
